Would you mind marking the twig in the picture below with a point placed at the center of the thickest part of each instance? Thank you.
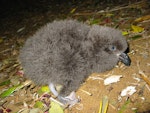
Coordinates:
(144, 77)
(137, 4)
(6, 50)
(54, 100)
(88, 93)
(112, 106)
(142, 74)
(125, 7)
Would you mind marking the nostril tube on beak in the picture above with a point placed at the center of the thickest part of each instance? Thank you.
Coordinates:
(124, 58)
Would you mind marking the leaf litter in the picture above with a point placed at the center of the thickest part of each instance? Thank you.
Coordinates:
(37, 99)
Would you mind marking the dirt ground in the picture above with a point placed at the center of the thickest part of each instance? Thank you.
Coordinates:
(132, 17)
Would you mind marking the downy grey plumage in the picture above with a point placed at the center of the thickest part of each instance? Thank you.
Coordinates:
(66, 52)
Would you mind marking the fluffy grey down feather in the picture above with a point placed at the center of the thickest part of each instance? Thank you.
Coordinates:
(65, 52)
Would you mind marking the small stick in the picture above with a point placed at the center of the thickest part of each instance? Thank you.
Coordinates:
(54, 100)
(144, 77)
(137, 4)
(88, 93)
(142, 74)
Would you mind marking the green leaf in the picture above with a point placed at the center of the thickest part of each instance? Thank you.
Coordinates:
(123, 108)
(73, 10)
(1, 40)
(44, 89)
(125, 33)
(109, 15)
(5, 83)
(135, 37)
(8, 92)
(103, 105)
(55, 108)
(137, 29)
(38, 104)
(13, 89)
(94, 21)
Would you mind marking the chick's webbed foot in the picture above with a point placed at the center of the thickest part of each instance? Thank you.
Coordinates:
(67, 101)
(70, 100)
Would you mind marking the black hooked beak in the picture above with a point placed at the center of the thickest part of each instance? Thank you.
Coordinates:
(124, 58)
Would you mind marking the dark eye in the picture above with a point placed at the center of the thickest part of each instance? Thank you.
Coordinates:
(113, 48)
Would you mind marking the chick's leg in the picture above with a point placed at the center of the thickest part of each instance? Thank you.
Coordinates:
(53, 89)
(69, 100)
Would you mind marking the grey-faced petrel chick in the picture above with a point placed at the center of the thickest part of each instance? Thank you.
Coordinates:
(65, 52)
